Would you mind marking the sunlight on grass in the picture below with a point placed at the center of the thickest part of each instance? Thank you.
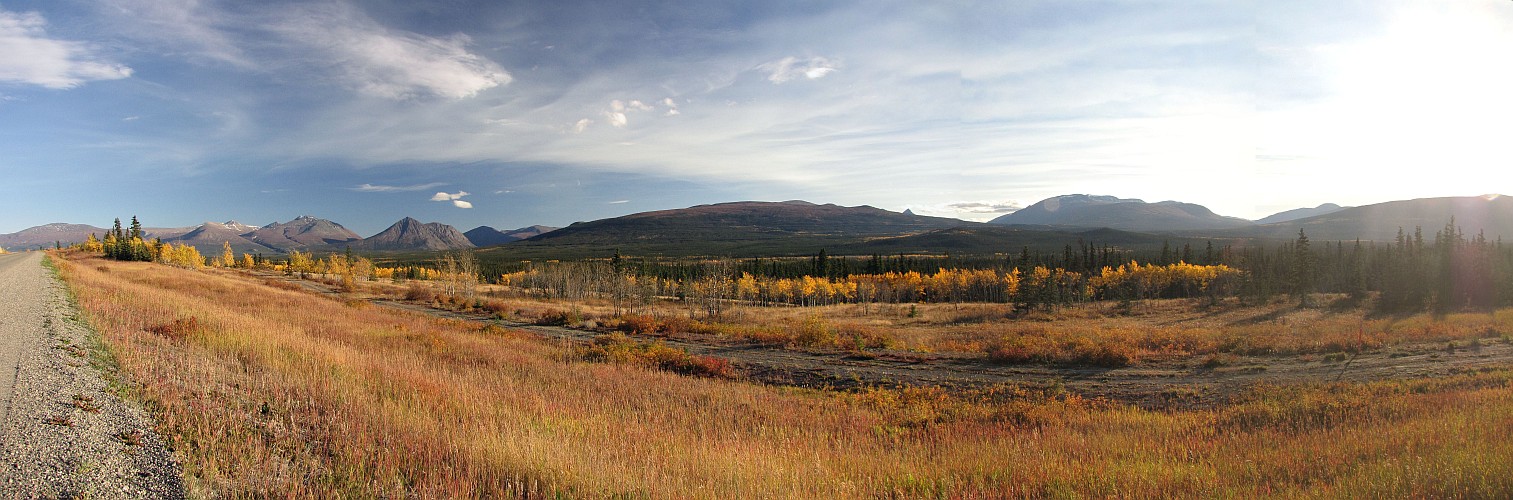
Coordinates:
(265, 391)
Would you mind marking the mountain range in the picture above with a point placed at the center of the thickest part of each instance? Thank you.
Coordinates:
(485, 236)
(411, 235)
(1092, 211)
(799, 227)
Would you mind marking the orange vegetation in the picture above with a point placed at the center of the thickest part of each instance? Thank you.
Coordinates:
(265, 391)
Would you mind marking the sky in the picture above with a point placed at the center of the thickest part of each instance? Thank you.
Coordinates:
(511, 114)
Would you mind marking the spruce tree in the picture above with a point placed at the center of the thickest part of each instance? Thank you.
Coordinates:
(1302, 269)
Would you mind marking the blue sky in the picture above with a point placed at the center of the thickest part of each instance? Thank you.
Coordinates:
(517, 113)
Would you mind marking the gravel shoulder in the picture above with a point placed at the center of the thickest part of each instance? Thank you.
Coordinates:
(64, 433)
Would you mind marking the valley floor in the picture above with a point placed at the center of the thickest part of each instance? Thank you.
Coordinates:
(266, 387)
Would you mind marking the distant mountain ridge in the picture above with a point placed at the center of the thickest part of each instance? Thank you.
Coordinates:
(210, 237)
(305, 231)
(746, 220)
(1491, 215)
(1300, 213)
(411, 235)
(1094, 211)
(486, 236)
(47, 235)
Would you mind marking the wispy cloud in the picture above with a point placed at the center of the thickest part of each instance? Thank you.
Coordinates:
(330, 41)
(986, 207)
(373, 188)
(455, 198)
(29, 56)
(788, 68)
(619, 202)
(384, 62)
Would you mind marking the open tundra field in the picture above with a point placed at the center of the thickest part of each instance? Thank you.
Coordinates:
(265, 386)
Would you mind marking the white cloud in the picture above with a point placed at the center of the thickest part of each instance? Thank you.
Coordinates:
(985, 207)
(616, 118)
(390, 63)
(371, 188)
(29, 57)
(582, 125)
(672, 107)
(619, 202)
(619, 112)
(455, 198)
(448, 196)
(788, 68)
(330, 41)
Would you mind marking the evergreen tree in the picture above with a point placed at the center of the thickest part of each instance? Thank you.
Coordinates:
(1302, 269)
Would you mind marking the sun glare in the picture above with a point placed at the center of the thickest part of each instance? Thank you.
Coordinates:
(1420, 110)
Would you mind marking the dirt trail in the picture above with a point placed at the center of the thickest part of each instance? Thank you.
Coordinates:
(63, 434)
(1152, 384)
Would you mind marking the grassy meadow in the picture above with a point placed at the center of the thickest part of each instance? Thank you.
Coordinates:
(267, 391)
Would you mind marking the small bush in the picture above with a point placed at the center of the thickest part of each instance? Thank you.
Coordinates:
(814, 332)
(638, 323)
(1010, 352)
(419, 292)
(1219, 360)
(679, 324)
(498, 307)
(177, 329)
(557, 317)
(619, 348)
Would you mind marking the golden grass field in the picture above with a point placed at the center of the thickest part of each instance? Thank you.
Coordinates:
(266, 391)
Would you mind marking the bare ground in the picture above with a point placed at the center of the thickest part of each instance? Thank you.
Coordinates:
(1151, 384)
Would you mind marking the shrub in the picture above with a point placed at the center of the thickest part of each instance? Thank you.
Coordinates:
(814, 332)
(419, 292)
(1219, 360)
(557, 317)
(177, 329)
(638, 323)
(618, 348)
(1105, 354)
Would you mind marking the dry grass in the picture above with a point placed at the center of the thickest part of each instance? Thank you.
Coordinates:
(1105, 334)
(283, 393)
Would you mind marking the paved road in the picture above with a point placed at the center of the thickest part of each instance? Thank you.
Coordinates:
(22, 312)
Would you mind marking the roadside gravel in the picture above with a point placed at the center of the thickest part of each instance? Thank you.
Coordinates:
(63, 433)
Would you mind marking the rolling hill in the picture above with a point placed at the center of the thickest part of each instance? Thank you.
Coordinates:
(1492, 214)
(303, 232)
(1300, 213)
(746, 221)
(986, 239)
(484, 236)
(738, 228)
(1092, 211)
(45, 236)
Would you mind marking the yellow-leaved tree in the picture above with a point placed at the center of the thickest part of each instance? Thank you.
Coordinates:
(227, 259)
(93, 244)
